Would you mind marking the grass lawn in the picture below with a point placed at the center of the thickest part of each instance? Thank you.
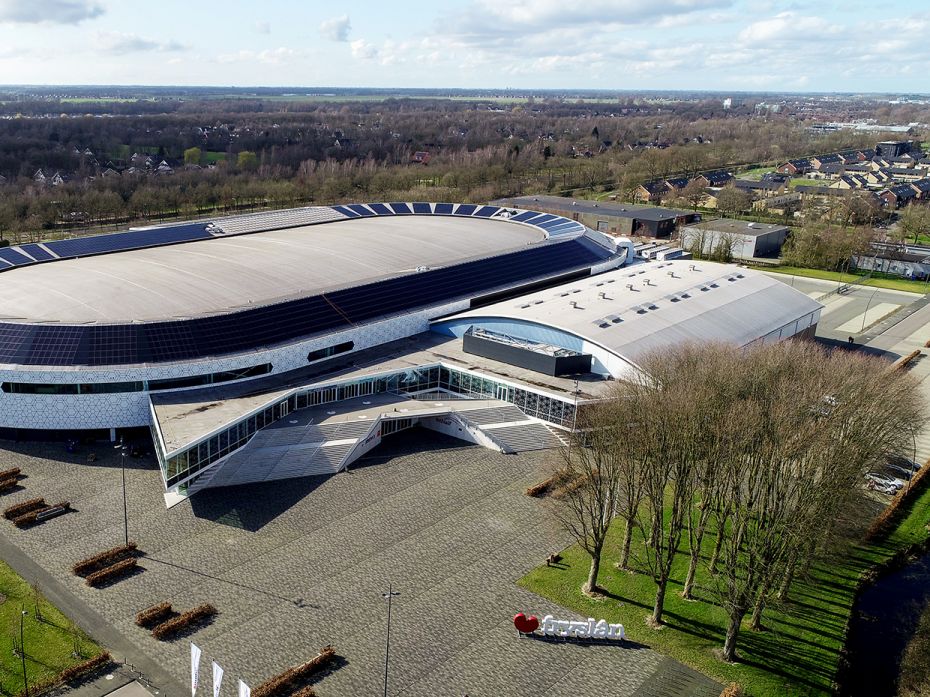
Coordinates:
(807, 182)
(796, 655)
(210, 157)
(892, 283)
(50, 643)
(755, 173)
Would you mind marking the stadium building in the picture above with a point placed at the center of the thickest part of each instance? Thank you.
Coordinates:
(286, 344)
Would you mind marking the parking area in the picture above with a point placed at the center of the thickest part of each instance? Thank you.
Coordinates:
(294, 565)
(862, 312)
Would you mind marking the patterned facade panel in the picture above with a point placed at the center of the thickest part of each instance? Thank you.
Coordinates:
(127, 409)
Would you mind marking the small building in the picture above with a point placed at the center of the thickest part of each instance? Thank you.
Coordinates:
(795, 167)
(621, 219)
(890, 149)
(898, 195)
(819, 161)
(650, 191)
(761, 188)
(717, 178)
(677, 184)
(904, 261)
(921, 186)
(420, 157)
(744, 239)
(850, 181)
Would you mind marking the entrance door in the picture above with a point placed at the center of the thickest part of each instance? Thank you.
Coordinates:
(502, 393)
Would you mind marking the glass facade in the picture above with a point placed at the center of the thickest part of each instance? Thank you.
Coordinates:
(181, 466)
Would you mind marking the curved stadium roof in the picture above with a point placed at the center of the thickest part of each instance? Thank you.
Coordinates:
(222, 292)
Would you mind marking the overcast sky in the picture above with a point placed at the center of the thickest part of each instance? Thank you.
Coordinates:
(823, 45)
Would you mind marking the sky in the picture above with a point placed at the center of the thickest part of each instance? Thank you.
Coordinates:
(725, 45)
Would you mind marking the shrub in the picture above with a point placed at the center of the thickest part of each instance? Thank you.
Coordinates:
(285, 682)
(888, 517)
(12, 473)
(154, 615)
(547, 486)
(110, 573)
(33, 517)
(307, 691)
(102, 559)
(22, 508)
(68, 675)
(7, 484)
(183, 621)
(734, 689)
(902, 363)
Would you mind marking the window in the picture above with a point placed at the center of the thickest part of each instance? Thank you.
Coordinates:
(322, 353)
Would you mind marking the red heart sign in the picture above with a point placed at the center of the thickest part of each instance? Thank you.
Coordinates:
(524, 624)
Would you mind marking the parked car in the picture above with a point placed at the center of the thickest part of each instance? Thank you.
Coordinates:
(898, 472)
(889, 489)
(904, 463)
(885, 479)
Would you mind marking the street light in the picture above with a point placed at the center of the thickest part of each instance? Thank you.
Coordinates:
(22, 651)
(865, 314)
(387, 646)
(122, 447)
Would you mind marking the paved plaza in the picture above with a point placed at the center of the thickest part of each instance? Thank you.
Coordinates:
(294, 565)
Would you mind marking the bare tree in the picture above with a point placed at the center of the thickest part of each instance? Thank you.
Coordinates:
(590, 502)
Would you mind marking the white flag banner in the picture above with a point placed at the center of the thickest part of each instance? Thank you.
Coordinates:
(217, 678)
(195, 668)
(244, 690)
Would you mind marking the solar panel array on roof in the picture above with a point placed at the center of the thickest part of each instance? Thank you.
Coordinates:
(123, 241)
(98, 345)
(37, 252)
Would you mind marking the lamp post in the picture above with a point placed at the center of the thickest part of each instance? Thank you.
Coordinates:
(866, 313)
(122, 447)
(387, 646)
(22, 651)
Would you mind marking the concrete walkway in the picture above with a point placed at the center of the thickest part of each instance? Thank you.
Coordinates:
(88, 619)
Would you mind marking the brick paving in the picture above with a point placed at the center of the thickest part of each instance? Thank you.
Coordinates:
(294, 565)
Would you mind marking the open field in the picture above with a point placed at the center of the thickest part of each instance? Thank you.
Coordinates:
(755, 173)
(51, 642)
(799, 651)
(902, 284)
(806, 182)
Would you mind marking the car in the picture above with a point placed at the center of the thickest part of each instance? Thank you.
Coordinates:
(903, 462)
(898, 472)
(889, 489)
(885, 480)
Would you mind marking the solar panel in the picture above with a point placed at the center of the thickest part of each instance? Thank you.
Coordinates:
(345, 211)
(443, 209)
(401, 208)
(13, 257)
(524, 216)
(360, 209)
(465, 209)
(380, 209)
(267, 326)
(422, 208)
(36, 252)
(134, 239)
(486, 211)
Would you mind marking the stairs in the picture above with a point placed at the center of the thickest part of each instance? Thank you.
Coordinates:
(512, 430)
(286, 452)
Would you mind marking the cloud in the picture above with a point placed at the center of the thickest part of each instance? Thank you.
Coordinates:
(263, 27)
(364, 50)
(336, 28)
(49, 11)
(789, 27)
(120, 44)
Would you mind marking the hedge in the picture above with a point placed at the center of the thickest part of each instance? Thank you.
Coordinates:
(23, 508)
(893, 511)
(154, 615)
(110, 573)
(10, 473)
(286, 681)
(106, 558)
(8, 483)
(68, 675)
(33, 517)
(177, 624)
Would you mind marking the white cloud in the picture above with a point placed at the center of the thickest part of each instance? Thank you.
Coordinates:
(789, 27)
(263, 27)
(49, 11)
(120, 44)
(336, 28)
(364, 50)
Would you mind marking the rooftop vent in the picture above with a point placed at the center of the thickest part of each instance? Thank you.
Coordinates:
(602, 295)
(672, 274)
(640, 311)
(629, 286)
(675, 300)
(704, 289)
(714, 285)
(653, 307)
(692, 267)
(647, 282)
